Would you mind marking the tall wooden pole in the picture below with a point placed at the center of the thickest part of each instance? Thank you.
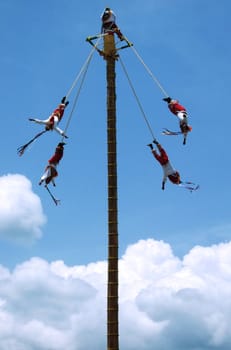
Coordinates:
(112, 293)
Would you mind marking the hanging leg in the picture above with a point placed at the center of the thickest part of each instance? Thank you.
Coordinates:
(45, 175)
(60, 132)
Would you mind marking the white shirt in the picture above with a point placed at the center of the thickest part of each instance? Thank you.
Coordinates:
(167, 170)
(111, 18)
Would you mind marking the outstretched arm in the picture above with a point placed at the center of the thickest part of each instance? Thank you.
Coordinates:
(38, 121)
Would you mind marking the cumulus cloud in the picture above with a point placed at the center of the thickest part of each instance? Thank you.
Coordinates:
(165, 303)
(21, 214)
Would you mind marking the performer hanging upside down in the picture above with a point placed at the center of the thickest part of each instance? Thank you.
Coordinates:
(108, 23)
(52, 122)
(51, 171)
(181, 113)
(168, 170)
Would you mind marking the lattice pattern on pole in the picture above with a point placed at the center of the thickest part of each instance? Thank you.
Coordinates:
(112, 294)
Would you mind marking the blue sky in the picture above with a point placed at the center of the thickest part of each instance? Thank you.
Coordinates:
(186, 46)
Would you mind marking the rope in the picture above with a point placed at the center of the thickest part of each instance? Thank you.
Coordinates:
(150, 73)
(84, 72)
(82, 69)
(137, 99)
(56, 201)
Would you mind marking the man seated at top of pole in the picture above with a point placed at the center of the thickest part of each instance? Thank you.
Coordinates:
(108, 23)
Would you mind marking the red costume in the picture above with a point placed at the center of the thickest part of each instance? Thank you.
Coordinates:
(181, 113)
(168, 171)
(162, 157)
(58, 112)
(50, 171)
(57, 156)
(52, 122)
(175, 107)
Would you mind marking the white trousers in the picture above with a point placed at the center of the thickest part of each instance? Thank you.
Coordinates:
(47, 174)
(182, 116)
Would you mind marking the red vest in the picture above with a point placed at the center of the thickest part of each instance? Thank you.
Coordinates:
(175, 178)
(176, 107)
(57, 156)
(58, 112)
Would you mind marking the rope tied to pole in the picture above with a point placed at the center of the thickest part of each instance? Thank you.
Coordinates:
(83, 72)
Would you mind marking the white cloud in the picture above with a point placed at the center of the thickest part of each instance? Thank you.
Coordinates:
(165, 303)
(21, 214)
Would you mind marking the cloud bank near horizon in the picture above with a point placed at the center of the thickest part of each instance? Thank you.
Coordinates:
(165, 302)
